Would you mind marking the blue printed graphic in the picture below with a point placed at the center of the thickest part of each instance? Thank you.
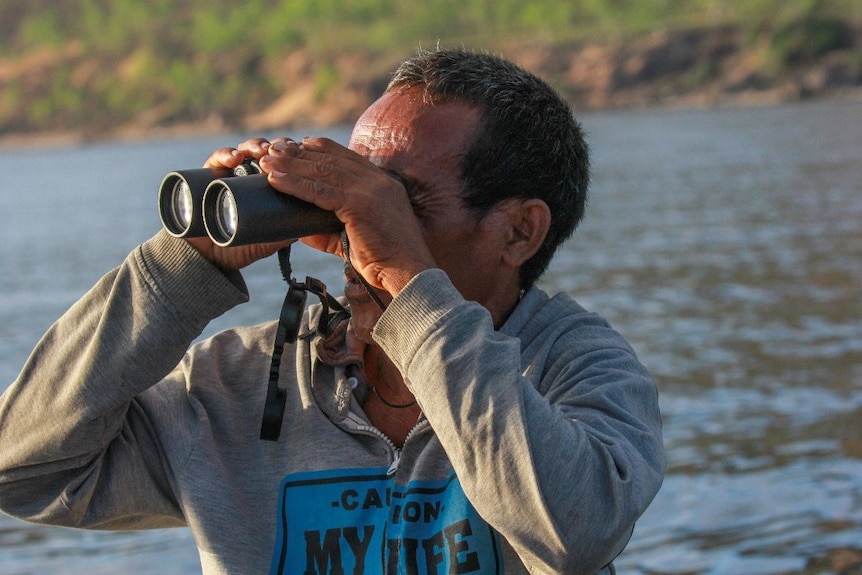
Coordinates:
(358, 521)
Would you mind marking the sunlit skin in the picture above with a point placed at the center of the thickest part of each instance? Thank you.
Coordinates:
(396, 235)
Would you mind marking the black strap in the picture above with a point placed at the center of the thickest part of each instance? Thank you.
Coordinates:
(289, 322)
(288, 327)
(276, 397)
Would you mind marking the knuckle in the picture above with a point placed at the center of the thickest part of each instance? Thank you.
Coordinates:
(320, 191)
(323, 170)
(323, 195)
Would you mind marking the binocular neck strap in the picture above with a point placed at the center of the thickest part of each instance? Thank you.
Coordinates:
(289, 322)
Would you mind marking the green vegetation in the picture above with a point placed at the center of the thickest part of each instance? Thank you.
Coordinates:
(106, 61)
(266, 28)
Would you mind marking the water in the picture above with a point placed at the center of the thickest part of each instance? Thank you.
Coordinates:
(725, 244)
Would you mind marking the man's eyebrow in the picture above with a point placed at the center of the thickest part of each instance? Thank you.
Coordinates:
(396, 176)
(411, 184)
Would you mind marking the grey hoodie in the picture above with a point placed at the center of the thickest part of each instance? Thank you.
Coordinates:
(538, 448)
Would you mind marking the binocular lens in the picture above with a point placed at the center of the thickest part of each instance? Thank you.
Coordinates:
(181, 205)
(180, 197)
(226, 214)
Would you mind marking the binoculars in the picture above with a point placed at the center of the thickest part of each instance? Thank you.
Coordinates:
(237, 207)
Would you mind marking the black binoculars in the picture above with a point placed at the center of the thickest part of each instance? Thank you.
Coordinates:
(237, 207)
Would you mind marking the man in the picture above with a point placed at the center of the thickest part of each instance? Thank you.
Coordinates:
(465, 422)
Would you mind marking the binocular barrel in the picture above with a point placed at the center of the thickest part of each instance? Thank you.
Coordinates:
(241, 211)
(181, 198)
(236, 209)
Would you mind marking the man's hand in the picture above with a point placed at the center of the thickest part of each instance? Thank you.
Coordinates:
(386, 242)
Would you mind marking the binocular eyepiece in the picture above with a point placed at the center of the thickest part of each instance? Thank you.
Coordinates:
(236, 207)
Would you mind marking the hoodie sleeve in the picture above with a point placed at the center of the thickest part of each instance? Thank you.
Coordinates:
(560, 455)
(78, 446)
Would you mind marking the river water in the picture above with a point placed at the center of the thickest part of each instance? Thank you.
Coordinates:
(726, 244)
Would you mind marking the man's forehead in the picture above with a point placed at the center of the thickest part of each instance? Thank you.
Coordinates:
(373, 137)
(385, 124)
(404, 123)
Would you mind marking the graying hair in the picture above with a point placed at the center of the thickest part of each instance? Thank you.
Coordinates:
(529, 144)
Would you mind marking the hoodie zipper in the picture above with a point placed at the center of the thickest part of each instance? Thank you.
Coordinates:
(421, 422)
(394, 451)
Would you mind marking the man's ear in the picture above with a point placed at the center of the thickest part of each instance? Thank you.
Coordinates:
(530, 221)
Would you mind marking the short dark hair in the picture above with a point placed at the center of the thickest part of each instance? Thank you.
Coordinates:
(529, 145)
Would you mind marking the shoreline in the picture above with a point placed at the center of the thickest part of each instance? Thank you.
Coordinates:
(700, 68)
(192, 130)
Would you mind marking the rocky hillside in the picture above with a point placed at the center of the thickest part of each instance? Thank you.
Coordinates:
(699, 67)
(693, 67)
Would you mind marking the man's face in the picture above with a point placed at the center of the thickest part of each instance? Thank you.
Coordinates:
(424, 145)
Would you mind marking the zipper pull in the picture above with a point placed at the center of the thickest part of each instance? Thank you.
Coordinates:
(396, 460)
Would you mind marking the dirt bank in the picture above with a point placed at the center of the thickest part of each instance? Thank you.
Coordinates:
(701, 67)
